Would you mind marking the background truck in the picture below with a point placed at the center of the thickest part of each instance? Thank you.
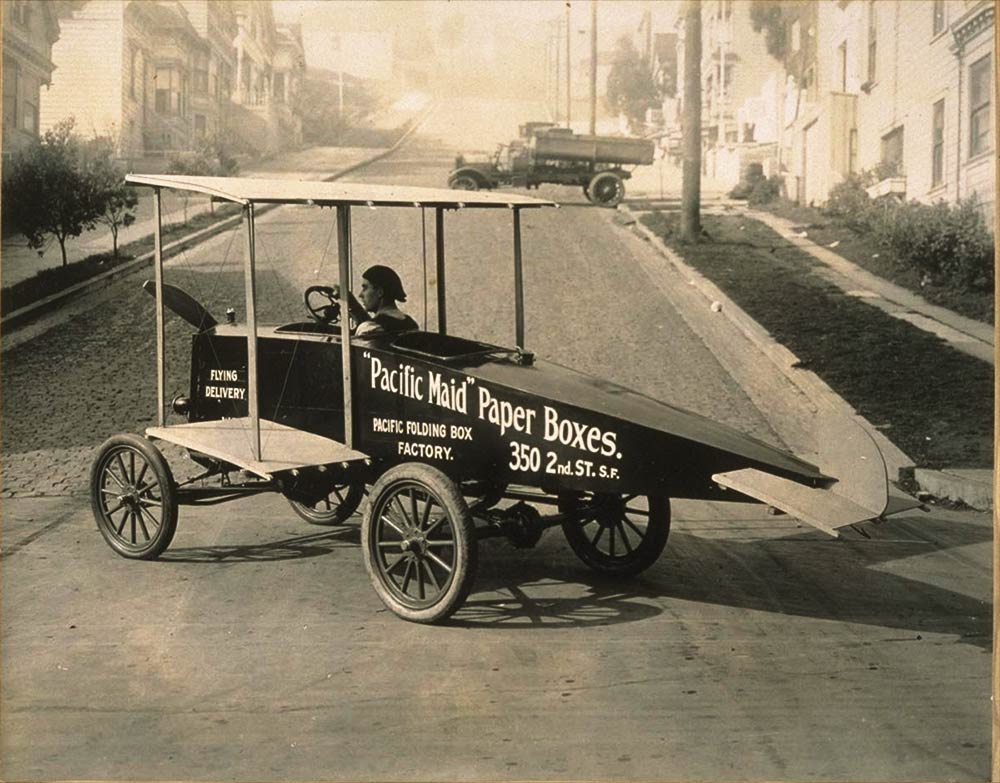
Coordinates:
(548, 154)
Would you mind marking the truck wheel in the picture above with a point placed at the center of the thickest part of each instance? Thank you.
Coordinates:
(606, 189)
(419, 543)
(133, 496)
(620, 535)
(464, 182)
(335, 508)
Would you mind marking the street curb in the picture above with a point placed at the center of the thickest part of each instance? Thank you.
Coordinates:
(974, 488)
(899, 465)
(19, 317)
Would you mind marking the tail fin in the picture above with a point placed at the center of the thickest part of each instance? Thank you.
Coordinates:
(848, 453)
(185, 305)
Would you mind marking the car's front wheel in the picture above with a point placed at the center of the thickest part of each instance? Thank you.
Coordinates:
(419, 543)
(133, 496)
(464, 182)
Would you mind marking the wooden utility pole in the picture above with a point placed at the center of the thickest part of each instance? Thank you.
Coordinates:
(558, 70)
(569, 68)
(593, 67)
(691, 124)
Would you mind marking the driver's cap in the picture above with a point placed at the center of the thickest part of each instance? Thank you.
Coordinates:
(385, 277)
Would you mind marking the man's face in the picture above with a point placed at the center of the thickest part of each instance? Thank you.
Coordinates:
(371, 296)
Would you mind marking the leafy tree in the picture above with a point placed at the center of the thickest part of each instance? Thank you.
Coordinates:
(631, 88)
(210, 158)
(48, 193)
(318, 103)
(107, 178)
(768, 16)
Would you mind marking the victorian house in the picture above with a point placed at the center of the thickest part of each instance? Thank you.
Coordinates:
(161, 75)
(30, 28)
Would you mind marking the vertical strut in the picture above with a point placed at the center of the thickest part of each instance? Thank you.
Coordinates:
(439, 242)
(161, 361)
(344, 258)
(250, 279)
(518, 283)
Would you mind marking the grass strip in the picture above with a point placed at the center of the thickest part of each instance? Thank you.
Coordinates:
(933, 401)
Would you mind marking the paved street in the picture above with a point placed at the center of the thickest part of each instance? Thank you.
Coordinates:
(255, 649)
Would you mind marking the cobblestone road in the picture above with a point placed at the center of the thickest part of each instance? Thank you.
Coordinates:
(589, 306)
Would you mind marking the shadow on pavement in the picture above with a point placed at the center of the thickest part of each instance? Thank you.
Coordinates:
(293, 548)
(609, 604)
(845, 581)
(804, 575)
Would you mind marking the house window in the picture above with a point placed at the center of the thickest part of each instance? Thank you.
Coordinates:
(201, 72)
(842, 59)
(199, 125)
(937, 144)
(938, 12)
(168, 91)
(30, 118)
(892, 152)
(809, 83)
(11, 92)
(279, 87)
(980, 78)
(796, 36)
(872, 40)
(852, 151)
(133, 68)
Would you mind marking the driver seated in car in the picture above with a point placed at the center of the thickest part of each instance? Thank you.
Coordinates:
(381, 288)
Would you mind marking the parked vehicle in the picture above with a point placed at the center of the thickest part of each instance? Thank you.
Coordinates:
(549, 154)
(453, 440)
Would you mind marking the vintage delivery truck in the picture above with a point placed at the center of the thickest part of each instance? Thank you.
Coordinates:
(453, 440)
(549, 154)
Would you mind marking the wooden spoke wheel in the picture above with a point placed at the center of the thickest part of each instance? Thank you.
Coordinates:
(616, 534)
(464, 182)
(606, 189)
(334, 509)
(419, 543)
(133, 497)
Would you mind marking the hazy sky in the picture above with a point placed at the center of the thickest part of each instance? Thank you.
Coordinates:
(527, 17)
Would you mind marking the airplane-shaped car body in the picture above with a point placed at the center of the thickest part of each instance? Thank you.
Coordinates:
(452, 439)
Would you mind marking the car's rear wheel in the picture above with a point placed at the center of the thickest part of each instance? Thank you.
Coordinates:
(620, 535)
(464, 182)
(419, 543)
(133, 496)
(334, 509)
(606, 189)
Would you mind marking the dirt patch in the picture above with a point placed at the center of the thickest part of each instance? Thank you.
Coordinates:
(934, 402)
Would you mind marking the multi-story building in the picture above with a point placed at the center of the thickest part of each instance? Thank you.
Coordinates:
(289, 71)
(159, 75)
(213, 67)
(176, 48)
(30, 28)
(735, 66)
(925, 109)
(106, 72)
(900, 90)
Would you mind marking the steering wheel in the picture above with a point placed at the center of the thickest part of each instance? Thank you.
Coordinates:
(328, 313)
